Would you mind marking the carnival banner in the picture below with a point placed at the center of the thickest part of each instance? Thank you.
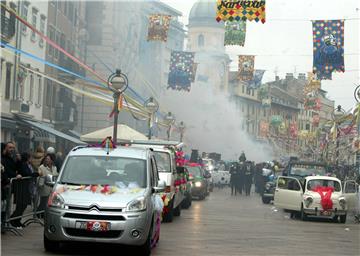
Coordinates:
(328, 47)
(232, 10)
(246, 67)
(264, 129)
(257, 78)
(293, 129)
(158, 27)
(181, 70)
(312, 103)
(235, 33)
(316, 120)
(312, 85)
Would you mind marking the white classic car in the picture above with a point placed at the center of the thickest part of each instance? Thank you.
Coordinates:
(320, 196)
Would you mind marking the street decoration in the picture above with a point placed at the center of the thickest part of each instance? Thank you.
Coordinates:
(276, 120)
(132, 188)
(246, 67)
(264, 129)
(325, 195)
(181, 70)
(328, 48)
(313, 85)
(316, 120)
(235, 33)
(232, 10)
(293, 129)
(313, 103)
(257, 78)
(158, 27)
(266, 103)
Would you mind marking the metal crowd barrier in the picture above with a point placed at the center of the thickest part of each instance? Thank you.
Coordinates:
(23, 192)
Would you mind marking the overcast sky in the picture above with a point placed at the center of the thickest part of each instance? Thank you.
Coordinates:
(284, 42)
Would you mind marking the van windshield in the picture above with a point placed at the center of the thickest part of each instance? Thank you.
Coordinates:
(163, 161)
(100, 170)
(314, 184)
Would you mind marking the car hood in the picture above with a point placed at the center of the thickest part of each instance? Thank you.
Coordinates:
(103, 196)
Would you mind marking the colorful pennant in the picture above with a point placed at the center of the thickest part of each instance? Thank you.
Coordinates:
(328, 47)
(312, 103)
(231, 10)
(246, 67)
(257, 78)
(158, 27)
(181, 70)
(235, 32)
(264, 129)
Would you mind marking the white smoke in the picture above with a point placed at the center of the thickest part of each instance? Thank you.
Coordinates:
(213, 123)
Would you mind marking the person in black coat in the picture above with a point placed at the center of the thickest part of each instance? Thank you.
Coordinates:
(233, 174)
(24, 188)
(249, 170)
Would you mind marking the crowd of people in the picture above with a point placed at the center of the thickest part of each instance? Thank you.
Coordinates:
(22, 175)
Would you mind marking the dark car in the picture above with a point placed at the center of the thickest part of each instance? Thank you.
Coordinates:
(199, 181)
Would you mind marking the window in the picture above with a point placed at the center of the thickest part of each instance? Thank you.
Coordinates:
(252, 92)
(253, 109)
(25, 10)
(288, 184)
(52, 38)
(39, 93)
(8, 80)
(48, 93)
(350, 187)
(34, 23)
(201, 40)
(31, 93)
(42, 30)
(243, 89)
(248, 90)
(264, 111)
(57, 40)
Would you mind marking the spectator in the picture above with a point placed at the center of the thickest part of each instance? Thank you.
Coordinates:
(47, 168)
(24, 189)
(9, 161)
(58, 160)
(38, 157)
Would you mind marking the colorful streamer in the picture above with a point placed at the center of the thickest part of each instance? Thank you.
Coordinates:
(181, 70)
(158, 27)
(246, 67)
(230, 10)
(235, 33)
(257, 78)
(328, 47)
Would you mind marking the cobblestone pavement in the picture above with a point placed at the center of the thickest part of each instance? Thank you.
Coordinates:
(222, 225)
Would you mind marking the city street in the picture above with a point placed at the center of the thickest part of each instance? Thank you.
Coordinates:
(223, 225)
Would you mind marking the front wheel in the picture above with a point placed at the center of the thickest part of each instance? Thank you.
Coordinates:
(51, 246)
(145, 249)
(342, 218)
(177, 210)
(266, 200)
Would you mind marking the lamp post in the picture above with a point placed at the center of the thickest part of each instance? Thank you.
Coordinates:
(182, 130)
(170, 120)
(337, 114)
(151, 105)
(117, 83)
(357, 98)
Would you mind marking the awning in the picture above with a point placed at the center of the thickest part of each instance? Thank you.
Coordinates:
(51, 130)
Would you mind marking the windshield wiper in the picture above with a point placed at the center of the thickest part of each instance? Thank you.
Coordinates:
(71, 183)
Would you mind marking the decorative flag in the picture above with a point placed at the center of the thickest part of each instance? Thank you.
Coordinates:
(312, 103)
(158, 27)
(328, 47)
(235, 32)
(264, 129)
(316, 120)
(257, 78)
(230, 10)
(293, 129)
(246, 67)
(181, 70)
(276, 120)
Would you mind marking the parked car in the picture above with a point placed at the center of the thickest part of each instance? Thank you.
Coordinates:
(187, 202)
(165, 160)
(104, 197)
(307, 196)
(200, 184)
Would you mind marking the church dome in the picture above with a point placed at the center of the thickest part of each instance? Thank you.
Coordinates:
(203, 14)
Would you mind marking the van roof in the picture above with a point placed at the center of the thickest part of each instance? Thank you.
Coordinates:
(128, 152)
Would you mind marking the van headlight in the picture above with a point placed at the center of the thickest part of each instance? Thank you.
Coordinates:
(342, 202)
(55, 200)
(198, 184)
(139, 204)
(308, 201)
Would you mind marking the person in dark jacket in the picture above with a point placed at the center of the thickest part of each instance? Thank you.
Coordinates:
(248, 177)
(233, 174)
(24, 189)
(240, 177)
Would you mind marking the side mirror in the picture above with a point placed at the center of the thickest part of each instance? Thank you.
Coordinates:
(160, 188)
(50, 180)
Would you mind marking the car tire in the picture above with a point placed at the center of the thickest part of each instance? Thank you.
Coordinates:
(266, 200)
(202, 196)
(169, 216)
(335, 219)
(187, 202)
(51, 246)
(145, 249)
(177, 210)
(303, 215)
(342, 218)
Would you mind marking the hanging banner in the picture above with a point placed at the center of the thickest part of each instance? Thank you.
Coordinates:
(158, 27)
(312, 85)
(257, 78)
(246, 67)
(231, 10)
(293, 129)
(328, 47)
(276, 120)
(264, 129)
(235, 32)
(312, 103)
(316, 120)
(181, 70)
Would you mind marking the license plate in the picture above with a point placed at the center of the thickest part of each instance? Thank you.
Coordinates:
(325, 213)
(97, 226)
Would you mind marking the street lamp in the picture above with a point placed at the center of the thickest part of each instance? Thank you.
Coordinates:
(170, 120)
(117, 83)
(182, 130)
(337, 114)
(151, 105)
